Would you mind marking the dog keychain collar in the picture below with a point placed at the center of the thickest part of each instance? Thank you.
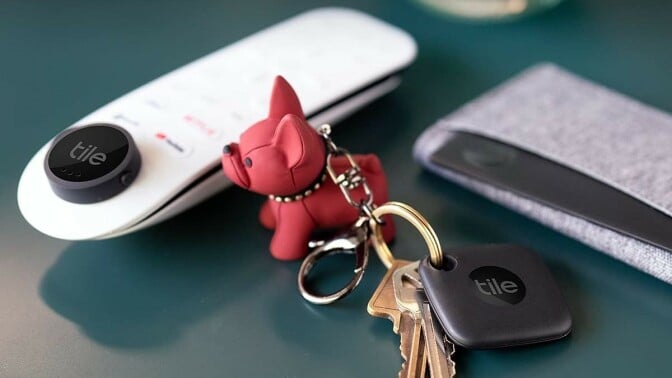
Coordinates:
(303, 194)
(314, 186)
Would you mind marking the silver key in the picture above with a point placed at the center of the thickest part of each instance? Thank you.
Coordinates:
(407, 286)
(439, 348)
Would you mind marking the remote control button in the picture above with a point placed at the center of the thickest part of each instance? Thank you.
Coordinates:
(201, 125)
(125, 119)
(92, 163)
(172, 145)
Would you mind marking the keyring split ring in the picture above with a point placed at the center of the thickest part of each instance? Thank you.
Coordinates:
(416, 219)
(355, 243)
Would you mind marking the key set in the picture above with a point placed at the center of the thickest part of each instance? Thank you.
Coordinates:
(478, 297)
(400, 297)
(490, 296)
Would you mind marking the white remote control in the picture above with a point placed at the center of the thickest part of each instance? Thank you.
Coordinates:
(156, 151)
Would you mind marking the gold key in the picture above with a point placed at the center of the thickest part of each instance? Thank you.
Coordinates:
(404, 293)
(383, 304)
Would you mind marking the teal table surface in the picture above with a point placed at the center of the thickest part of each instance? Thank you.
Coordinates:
(199, 295)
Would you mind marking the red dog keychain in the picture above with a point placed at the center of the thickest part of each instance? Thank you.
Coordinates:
(284, 158)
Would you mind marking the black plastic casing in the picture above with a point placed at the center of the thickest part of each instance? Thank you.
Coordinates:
(78, 181)
(476, 320)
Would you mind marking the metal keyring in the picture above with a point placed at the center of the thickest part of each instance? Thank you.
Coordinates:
(354, 242)
(416, 219)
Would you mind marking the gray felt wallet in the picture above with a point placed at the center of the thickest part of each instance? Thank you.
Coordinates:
(589, 133)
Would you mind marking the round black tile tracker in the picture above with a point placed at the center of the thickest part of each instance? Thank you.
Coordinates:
(92, 163)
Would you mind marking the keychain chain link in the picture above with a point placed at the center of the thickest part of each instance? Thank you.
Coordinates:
(349, 180)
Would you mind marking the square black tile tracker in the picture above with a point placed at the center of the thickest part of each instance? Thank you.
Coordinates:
(495, 296)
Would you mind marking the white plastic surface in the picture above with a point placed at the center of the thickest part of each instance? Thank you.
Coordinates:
(181, 121)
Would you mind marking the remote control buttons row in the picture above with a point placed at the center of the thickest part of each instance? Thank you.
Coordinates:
(168, 142)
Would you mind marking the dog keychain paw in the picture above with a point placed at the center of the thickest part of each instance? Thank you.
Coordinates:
(284, 158)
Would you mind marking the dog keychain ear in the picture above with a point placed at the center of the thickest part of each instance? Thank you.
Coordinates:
(285, 159)
(284, 100)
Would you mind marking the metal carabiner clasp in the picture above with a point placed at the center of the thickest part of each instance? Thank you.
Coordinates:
(353, 242)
